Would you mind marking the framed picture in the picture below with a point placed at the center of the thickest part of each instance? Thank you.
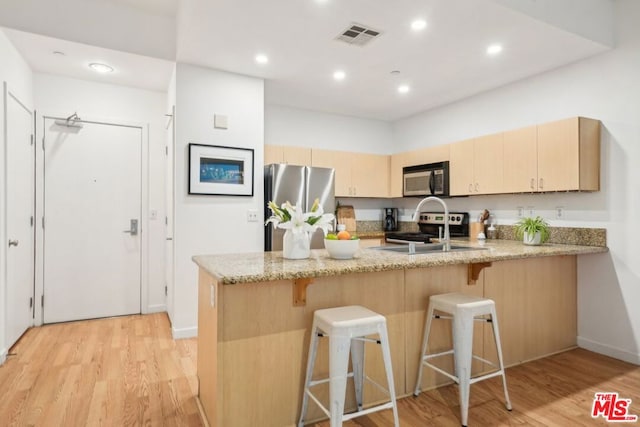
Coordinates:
(220, 170)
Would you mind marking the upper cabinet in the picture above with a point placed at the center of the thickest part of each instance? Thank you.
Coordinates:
(439, 153)
(357, 174)
(556, 156)
(475, 166)
(569, 155)
(287, 154)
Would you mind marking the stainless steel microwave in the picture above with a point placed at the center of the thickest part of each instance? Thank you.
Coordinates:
(426, 180)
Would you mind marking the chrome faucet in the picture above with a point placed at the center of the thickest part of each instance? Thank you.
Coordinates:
(446, 247)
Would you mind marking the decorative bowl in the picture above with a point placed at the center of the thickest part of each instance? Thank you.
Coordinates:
(341, 249)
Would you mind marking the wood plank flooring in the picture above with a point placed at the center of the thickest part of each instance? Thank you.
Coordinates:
(127, 371)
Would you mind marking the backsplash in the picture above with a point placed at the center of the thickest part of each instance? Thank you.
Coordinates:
(562, 235)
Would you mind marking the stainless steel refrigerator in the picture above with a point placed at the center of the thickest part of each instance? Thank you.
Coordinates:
(300, 185)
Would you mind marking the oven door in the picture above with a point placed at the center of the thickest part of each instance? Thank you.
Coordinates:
(417, 183)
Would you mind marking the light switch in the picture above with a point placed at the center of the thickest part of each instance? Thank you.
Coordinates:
(220, 121)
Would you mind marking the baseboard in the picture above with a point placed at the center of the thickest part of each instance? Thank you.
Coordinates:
(156, 308)
(179, 333)
(607, 350)
(3, 356)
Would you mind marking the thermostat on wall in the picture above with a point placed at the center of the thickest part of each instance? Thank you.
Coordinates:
(220, 121)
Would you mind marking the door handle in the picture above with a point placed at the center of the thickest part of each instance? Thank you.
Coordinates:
(13, 242)
(133, 228)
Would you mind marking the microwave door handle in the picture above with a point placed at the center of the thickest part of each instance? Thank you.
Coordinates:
(432, 183)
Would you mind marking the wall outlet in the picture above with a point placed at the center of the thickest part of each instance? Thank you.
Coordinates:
(531, 211)
(252, 215)
(559, 212)
(153, 214)
(519, 211)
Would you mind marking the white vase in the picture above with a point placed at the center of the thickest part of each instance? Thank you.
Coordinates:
(296, 245)
(531, 239)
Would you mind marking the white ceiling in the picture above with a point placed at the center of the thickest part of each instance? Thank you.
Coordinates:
(443, 63)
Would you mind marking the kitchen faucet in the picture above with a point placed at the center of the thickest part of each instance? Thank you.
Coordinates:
(446, 247)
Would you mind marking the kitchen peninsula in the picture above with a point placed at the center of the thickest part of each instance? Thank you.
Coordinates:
(255, 312)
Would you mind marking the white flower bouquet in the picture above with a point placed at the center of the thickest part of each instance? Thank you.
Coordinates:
(290, 217)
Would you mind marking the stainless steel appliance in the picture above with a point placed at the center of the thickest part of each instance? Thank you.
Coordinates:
(390, 221)
(430, 224)
(426, 180)
(300, 185)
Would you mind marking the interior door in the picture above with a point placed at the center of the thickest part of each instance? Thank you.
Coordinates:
(20, 211)
(92, 210)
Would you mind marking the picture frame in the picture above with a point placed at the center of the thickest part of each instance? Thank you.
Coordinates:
(221, 171)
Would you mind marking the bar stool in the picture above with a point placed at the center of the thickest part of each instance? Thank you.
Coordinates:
(347, 328)
(463, 309)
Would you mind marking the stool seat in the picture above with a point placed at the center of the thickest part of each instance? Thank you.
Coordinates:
(347, 329)
(464, 310)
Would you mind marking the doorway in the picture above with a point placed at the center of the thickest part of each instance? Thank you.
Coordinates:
(92, 219)
(20, 187)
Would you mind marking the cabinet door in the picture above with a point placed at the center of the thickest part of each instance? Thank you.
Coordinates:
(488, 164)
(300, 156)
(273, 154)
(341, 162)
(369, 175)
(558, 156)
(461, 168)
(398, 161)
(521, 160)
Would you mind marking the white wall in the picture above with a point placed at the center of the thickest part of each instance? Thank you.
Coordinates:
(304, 128)
(15, 71)
(56, 95)
(604, 87)
(213, 224)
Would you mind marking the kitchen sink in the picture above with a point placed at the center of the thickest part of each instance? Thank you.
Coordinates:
(427, 249)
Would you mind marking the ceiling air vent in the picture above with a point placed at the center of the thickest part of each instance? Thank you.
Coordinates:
(358, 34)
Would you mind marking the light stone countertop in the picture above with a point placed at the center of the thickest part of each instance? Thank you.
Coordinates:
(270, 266)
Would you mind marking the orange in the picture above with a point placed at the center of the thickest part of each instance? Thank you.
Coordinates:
(344, 235)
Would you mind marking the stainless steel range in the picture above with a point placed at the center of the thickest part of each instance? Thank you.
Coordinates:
(431, 224)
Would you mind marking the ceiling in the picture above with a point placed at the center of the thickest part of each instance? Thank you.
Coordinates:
(444, 62)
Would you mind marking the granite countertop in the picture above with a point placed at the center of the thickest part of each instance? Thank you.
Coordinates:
(270, 266)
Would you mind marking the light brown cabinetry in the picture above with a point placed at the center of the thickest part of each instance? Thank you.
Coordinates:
(556, 156)
(569, 155)
(476, 166)
(439, 153)
(287, 154)
(357, 174)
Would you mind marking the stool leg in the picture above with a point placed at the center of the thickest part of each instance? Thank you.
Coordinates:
(463, 349)
(425, 341)
(388, 367)
(311, 360)
(357, 362)
(496, 338)
(338, 369)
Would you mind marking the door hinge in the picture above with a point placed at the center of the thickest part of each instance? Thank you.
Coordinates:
(166, 150)
(31, 221)
(43, 143)
(43, 223)
(166, 220)
(31, 302)
(31, 142)
(166, 291)
(42, 300)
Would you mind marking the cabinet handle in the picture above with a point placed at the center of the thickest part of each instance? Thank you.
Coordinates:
(477, 186)
(533, 183)
(541, 184)
(470, 188)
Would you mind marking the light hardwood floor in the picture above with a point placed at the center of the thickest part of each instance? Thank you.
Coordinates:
(128, 371)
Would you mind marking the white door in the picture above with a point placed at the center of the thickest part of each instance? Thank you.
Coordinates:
(92, 195)
(20, 211)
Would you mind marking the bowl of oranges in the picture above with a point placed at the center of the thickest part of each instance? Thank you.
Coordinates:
(341, 245)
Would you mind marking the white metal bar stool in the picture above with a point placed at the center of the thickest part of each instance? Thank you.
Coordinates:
(347, 329)
(463, 309)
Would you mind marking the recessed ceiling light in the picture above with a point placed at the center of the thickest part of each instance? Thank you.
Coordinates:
(262, 59)
(418, 24)
(403, 89)
(339, 75)
(100, 68)
(494, 49)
